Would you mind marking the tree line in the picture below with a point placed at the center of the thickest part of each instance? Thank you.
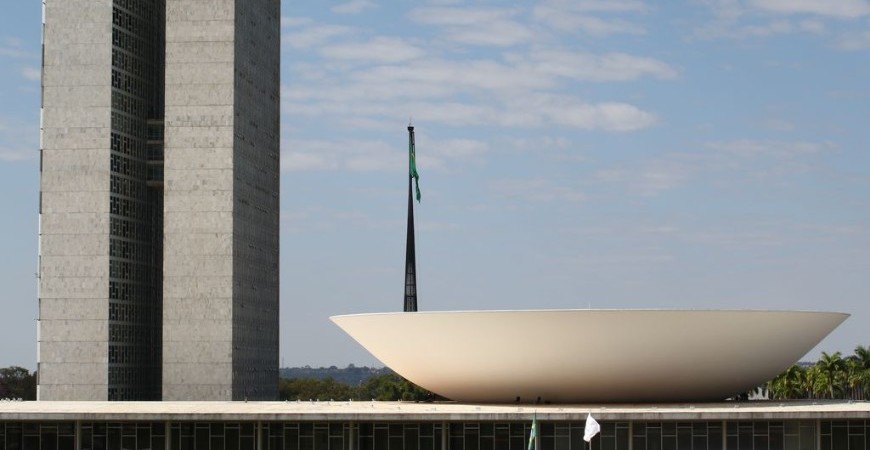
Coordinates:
(833, 376)
(17, 383)
(385, 387)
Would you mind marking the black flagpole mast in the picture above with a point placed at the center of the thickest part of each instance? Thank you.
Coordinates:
(410, 253)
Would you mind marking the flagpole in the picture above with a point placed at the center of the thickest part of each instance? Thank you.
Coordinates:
(410, 247)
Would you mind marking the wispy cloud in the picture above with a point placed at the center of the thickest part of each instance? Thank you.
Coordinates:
(353, 7)
(378, 50)
(376, 155)
(536, 190)
(476, 26)
(13, 48)
(585, 16)
(306, 35)
(18, 141)
(736, 19)
(648, 179)
(854, 40)
(339, 154)
(31, 73)
(583, 66)
(756, 148)
(842, 9)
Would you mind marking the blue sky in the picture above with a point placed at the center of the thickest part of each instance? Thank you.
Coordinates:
(573, 153)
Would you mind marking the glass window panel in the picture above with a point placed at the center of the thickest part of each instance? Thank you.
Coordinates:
(714, 442)
(158, 442)
(217, 429)
(733, 443)
(201, 438)
(48, 440)
(486, 443)
(776, 437)
(412, 436)
(825, 442)
(30, 441)
(217, 443)
(826, 427)
(231, 440)
(246, 443)
(321, 437)
(63, 443)
(114, 437)
(654, 438)
(622, 437)
(684, 438)
(336, 429)
(472, 435)
(839, 438)
(486, 429)
(808, 436)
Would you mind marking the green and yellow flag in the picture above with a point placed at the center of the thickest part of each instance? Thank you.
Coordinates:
(413, 161)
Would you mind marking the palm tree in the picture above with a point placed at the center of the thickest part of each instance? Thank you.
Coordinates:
(859, 372)
(790, 384)
(832, 368)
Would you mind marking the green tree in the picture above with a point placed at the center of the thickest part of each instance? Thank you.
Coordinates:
(790, 384)
(17, 382)
(832, 368)
(314, 389)
(859, 372)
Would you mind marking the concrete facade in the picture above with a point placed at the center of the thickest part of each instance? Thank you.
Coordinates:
(158, 265)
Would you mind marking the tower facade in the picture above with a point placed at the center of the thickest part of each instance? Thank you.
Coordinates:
(158, 266)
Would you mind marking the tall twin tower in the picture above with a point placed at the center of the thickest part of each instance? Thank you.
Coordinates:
(159, 162)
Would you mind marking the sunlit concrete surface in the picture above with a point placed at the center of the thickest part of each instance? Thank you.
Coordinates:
(445, 411)
(564, 356)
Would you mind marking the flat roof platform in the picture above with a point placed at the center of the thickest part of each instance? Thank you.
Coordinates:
(368, 411)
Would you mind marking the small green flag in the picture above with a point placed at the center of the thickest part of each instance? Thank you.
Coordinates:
(413, 168)
(533, 433)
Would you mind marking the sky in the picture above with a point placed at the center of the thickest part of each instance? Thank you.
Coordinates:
(572, 154)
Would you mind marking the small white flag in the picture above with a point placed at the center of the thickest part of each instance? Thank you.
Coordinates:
(592, 428)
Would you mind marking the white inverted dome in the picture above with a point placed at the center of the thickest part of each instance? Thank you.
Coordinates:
(564, 356)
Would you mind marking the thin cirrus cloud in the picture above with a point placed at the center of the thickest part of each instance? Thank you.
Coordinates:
(535, 190)
(17, 141)
(374, 155)
(354, 7)
(764, 18)
(841, 9)
(380, 49)
(31, 73)
(476, 26)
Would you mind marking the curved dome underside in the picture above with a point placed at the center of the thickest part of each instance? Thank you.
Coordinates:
(566, 356)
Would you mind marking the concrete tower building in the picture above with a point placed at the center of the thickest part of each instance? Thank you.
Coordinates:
(158, 267)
